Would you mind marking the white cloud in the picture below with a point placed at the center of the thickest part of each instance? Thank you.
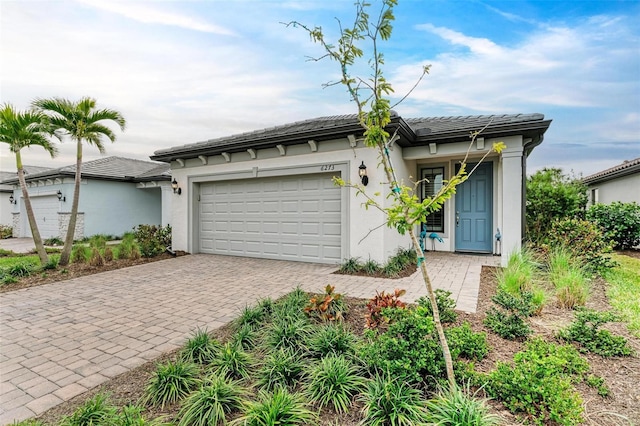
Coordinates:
(141, 12)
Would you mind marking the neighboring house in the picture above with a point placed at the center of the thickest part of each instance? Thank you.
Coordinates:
(619, 183)
(269, 193)
(116, 194)
(6, 193)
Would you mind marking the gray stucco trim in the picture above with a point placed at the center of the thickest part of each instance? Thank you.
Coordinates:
(411, 132)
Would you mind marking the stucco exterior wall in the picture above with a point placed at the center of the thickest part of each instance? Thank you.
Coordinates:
(5, 209)
(359, 221)
(366, 235)
(112, 207)
(625, 189)
(105, 207)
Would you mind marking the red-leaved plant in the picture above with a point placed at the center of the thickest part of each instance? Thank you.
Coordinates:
(383, 300)
(327, 307)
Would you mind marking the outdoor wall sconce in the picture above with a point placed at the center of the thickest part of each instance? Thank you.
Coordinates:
(60, 197)
(12, 200)
(362, 172)
(175, 187)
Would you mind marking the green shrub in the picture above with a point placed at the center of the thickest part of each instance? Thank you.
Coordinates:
(334, 381)
(445, 303)
(53, 241)
(96, 257)
(408, 350)
(232, 361)
(551, 196)
(326, 307)
(95, 411)
(5, 232)
(539, 383)
(212, 403)
(509, 321)
(371, 267)
(391, 401)
(80, 253)
(585, 330)
(152, 239)
(332, 339)
(460, 407)
(466, 343)
(378, 303)
(200, 348)
(350, 266)
(584, 240)
(598, 382)
(51, 264)
(108, 254)
(277, 409)
(127, 247)
(282, 367)
(171, 383)
(21, 270)
(620, 222)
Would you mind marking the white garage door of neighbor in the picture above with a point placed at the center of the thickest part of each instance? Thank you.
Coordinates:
(45, 209)
(289, 218)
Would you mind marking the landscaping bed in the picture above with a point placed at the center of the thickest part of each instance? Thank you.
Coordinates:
(621, 374)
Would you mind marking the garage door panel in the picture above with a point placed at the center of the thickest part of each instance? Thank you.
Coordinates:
(295, 217)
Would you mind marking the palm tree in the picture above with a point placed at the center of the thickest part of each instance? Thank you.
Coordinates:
(26, 129)
(81, 121)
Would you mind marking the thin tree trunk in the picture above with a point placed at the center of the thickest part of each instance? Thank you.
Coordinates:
(68, 241)
(422, 264)
(35, 233)
(446, 353)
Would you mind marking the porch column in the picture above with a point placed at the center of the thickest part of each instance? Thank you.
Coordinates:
(166, 193)
(512, 200)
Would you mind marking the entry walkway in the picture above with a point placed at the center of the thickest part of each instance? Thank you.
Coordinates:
(61, 339)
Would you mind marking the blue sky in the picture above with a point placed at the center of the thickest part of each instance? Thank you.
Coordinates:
(186, 71)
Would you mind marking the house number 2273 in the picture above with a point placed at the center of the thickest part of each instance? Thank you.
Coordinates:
(327, 167)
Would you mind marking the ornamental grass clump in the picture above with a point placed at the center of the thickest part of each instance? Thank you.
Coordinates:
(569, 278)
(332, 339)
(95, 411)
(172, 382)
(334, 381)
(277, 409)
(232, 361)
(391, 401)
(200, 348)
(280, 368)
(216, 399)
(459, 407)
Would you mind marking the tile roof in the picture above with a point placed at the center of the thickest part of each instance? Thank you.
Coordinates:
(413, 131)
(626, 168)
(110, 168)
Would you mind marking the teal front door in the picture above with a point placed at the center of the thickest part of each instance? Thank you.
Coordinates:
(474, 208)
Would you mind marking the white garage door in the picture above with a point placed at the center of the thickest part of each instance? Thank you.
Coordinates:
(290, 218)
(45, 209)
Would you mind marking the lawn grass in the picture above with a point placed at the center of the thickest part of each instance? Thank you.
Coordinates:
(624, 290)
(9, 261)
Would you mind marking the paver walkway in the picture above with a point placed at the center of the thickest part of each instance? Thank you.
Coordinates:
(61, 339)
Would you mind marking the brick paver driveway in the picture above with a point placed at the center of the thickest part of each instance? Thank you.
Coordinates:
(61, 339)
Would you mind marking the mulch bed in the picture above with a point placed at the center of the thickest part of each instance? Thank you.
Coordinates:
(622, 375)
